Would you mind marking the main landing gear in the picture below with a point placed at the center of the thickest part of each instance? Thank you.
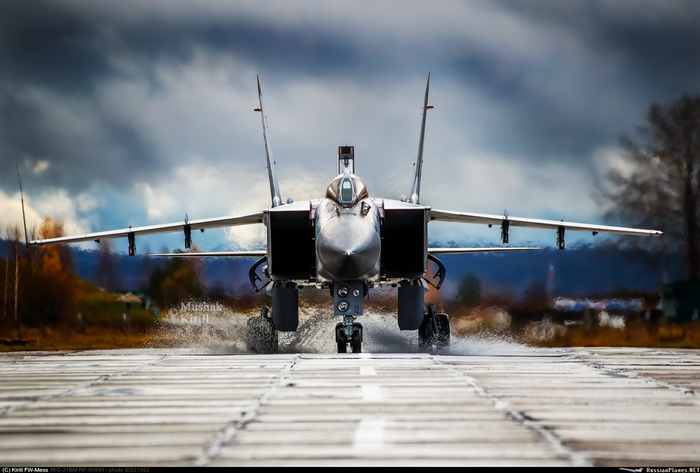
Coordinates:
(434, 332)
(262, 334)
(348, 332)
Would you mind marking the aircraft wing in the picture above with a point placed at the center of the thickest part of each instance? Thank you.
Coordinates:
(447, 251)
(200, 224)
(218, 254)
(467, 217)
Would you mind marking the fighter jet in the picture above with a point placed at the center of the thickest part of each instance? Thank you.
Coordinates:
(347, 242)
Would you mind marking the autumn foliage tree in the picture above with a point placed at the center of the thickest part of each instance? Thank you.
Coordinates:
(48, 289)
(177, 281)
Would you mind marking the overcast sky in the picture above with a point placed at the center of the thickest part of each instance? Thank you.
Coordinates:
(132, 113)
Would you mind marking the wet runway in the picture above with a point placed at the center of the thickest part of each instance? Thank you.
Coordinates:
(510, 405)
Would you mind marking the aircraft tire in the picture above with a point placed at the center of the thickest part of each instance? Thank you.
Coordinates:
(261, 335)
(356, 341)
(443, 339)
(340, 339)
(285, 308)
(425, 333)
(410, 308)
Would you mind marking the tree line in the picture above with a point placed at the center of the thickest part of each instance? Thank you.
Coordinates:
(41, 287)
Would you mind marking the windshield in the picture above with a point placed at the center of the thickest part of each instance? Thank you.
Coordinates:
(347, 190)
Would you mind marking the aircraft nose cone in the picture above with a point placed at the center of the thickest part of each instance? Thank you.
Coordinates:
(347, 253)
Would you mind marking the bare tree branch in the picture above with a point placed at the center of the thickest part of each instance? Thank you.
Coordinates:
(663, 188)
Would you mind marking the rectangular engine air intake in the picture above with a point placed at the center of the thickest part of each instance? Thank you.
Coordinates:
(290, 239)
(404, 243)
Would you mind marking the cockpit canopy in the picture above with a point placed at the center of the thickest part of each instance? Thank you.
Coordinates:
(347, 190)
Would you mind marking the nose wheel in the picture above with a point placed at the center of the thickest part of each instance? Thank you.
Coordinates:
(434, 332)
(348, 333)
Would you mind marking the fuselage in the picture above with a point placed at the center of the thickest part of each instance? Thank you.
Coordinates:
(348, 242)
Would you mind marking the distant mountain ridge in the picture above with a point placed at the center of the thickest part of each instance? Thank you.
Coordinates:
(577, 271)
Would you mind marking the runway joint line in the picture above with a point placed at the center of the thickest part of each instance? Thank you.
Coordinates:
(229, 431)
(577, 459)
(79, 387)
(631, 374)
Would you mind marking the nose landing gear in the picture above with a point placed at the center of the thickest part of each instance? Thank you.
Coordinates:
(348, 332)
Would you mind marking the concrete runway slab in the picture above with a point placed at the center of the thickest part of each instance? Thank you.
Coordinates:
(514, 406)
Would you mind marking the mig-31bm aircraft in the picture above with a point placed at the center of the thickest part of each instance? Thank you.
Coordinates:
(347, 242)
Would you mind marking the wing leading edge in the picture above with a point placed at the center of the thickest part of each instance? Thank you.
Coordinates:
(217, 254)
(467, 217)
(200, 224)
(452, 251)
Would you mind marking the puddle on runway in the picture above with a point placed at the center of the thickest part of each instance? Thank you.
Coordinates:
(225, 332)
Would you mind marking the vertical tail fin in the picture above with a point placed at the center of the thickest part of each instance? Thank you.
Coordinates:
(415, 191)
(274, 186)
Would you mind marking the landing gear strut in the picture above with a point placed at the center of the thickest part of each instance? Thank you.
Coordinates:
(262, 334)
(434, 332)
(348, 332)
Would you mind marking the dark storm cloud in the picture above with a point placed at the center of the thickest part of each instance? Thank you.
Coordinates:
(47, 44)
(27, 131)
(657, 42)
(47, 47)
(297, 51)
(62, 47)
(68, 51)
(642, 51)
(99, 89)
